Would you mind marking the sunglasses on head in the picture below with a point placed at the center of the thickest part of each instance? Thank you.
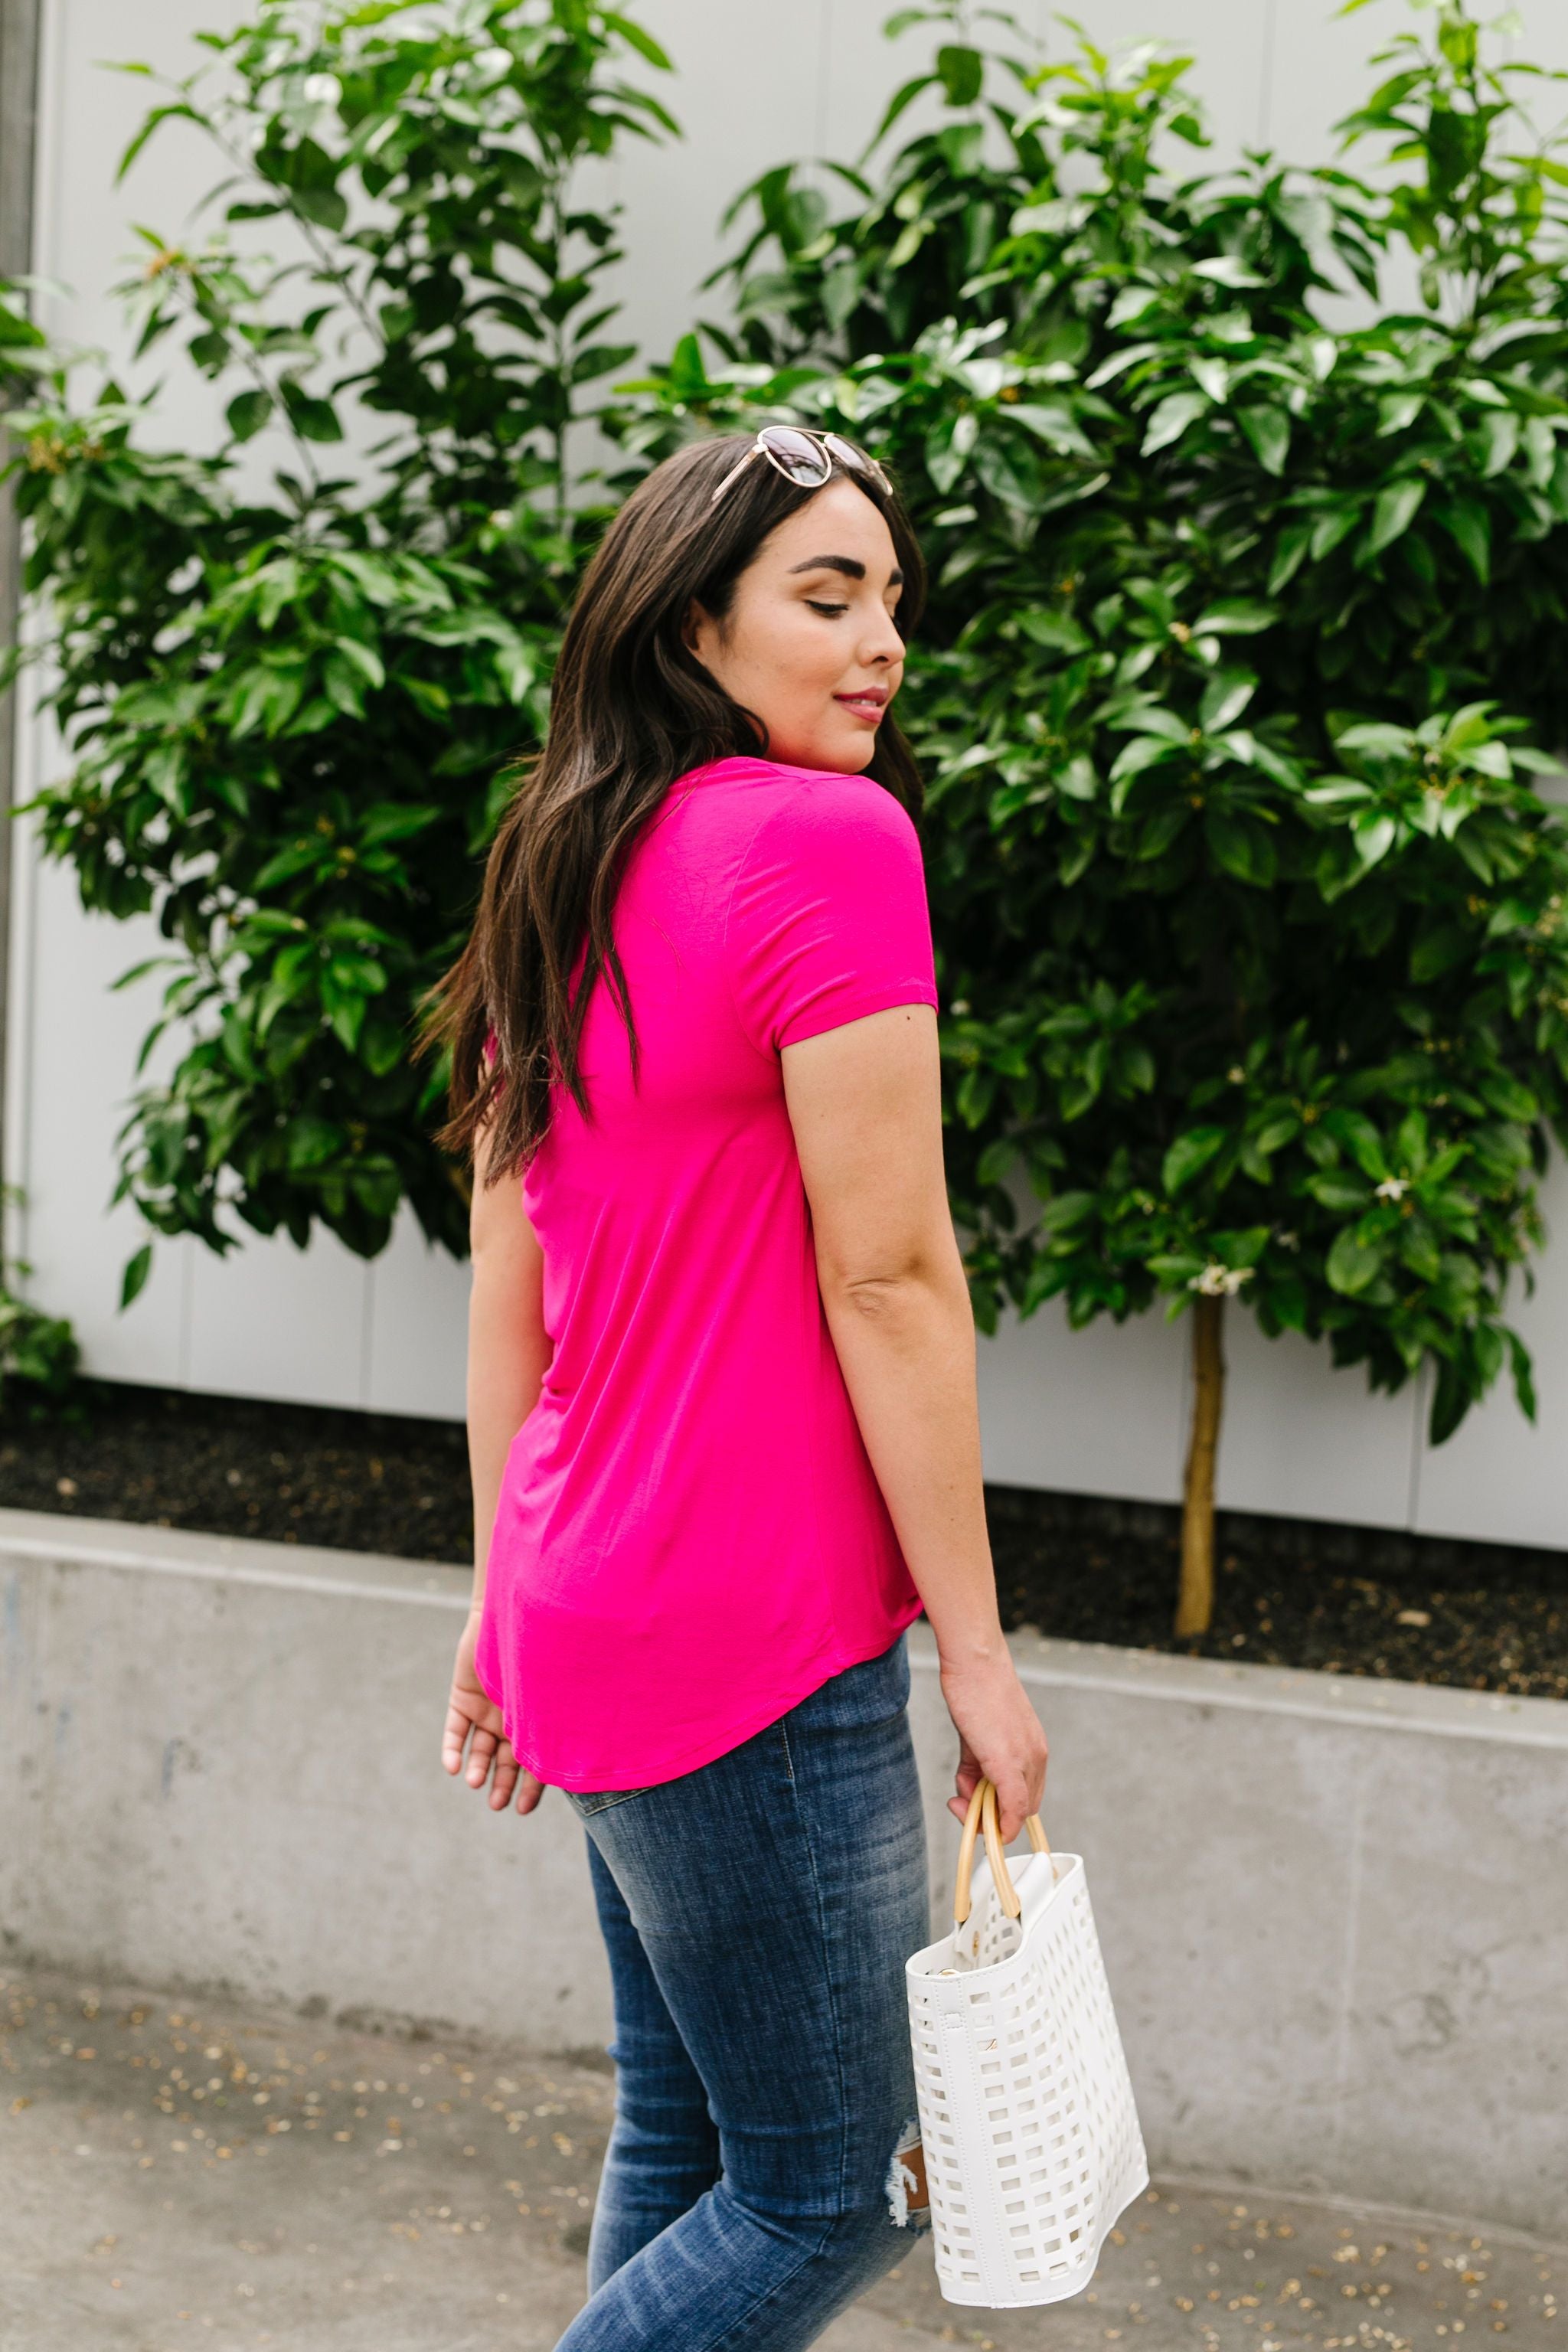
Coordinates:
(804, 458)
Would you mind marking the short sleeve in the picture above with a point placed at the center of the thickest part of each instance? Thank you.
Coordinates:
(828, 918)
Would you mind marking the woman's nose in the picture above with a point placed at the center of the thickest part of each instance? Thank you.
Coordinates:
(882, 643)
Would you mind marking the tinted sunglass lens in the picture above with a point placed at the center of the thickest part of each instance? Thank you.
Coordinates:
(796, 455)
(855, 459)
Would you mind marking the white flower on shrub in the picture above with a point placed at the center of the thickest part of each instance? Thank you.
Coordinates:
(1394, 1188)
(322, 89)
(1218, 1281)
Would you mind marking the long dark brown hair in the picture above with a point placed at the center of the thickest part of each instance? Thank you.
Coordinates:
(631, 709)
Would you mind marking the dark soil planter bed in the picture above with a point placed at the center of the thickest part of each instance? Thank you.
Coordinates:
(1289, 1593)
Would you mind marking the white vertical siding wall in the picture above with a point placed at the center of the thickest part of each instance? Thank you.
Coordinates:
(1098, 1412)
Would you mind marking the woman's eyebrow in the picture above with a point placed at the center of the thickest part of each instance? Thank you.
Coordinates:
(850, 566)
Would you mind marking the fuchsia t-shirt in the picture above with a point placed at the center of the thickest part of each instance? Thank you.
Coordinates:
(690, 1538)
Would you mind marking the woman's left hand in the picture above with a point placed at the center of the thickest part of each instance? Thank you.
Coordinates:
(473, 1719)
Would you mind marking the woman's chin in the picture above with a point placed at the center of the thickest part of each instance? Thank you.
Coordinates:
(840, 753)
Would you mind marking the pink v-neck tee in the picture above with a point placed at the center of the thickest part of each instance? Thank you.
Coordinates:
(690, 1538)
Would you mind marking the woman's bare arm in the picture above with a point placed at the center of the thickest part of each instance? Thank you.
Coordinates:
(509, 1352)
(865, 1102)
(509, 1349)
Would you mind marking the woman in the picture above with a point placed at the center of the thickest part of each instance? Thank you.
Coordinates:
(722, 1391)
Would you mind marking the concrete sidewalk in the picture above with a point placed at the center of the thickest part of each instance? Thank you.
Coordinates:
(180, 2172)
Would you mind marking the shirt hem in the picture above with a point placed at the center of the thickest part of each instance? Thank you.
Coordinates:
(705, 1751)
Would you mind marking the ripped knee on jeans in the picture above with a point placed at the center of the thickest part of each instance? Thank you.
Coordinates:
(908, 2198)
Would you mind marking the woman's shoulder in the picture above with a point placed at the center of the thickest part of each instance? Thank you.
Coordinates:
(785, 798)
(819, 838)
(751, 768)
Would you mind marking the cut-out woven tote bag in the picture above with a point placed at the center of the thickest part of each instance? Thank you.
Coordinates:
(1030, 2131)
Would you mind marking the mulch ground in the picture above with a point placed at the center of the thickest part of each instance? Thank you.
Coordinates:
(1351, 1601)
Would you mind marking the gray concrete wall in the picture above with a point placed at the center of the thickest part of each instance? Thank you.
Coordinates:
(1334, 1911)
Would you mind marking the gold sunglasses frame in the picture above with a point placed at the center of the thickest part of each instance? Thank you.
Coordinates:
(858, 460)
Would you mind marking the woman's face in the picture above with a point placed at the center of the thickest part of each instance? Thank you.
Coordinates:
(808, 642)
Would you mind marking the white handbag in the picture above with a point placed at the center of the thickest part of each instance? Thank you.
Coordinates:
(1030, 2134)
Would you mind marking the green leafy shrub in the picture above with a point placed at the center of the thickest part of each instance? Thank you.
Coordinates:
(38, 1356)
(290, 677)
(1249, 918)
(38, 1352)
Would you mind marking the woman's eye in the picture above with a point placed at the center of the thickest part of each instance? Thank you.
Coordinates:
(829, 609)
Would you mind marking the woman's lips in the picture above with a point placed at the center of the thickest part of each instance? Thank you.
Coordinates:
(868, 707)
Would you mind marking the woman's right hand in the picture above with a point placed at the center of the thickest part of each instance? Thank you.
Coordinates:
(473, 1720)
(1000, 1737)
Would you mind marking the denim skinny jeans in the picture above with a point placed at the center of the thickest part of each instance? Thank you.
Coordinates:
(758, 1913)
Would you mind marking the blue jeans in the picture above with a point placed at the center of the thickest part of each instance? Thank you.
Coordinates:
(758, 1913)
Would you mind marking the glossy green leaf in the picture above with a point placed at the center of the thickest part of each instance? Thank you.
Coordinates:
(1468, 525)
(1171, 419)
(248, 413)
(1190, 1155)
(1269, 430)
(1352, 1265)
(1394, 510)
(133, 1280)
(1236, 616)
(963, 73)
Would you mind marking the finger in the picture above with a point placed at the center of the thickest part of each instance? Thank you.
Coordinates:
(456, 1730)
(505, 1780)
(1033, 1780)
(1012, 1804)
(966, 1780)
(1027, 1793)
(481, 1755)
(529, 1792)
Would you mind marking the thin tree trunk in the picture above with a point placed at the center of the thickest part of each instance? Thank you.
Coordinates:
(1195, 1599)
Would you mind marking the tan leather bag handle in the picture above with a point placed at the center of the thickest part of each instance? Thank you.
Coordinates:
(982, 1818)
